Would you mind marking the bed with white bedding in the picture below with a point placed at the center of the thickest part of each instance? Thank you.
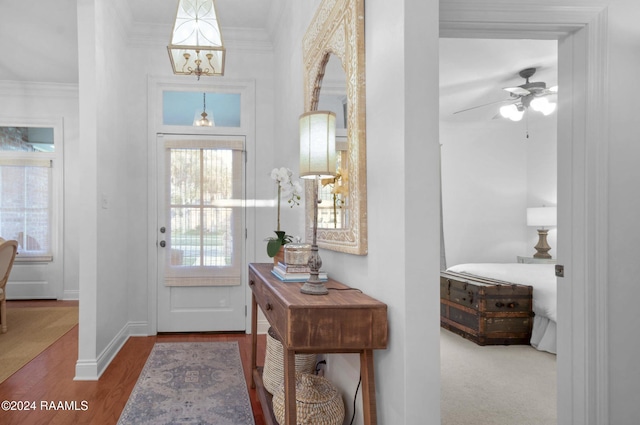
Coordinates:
(543, 280)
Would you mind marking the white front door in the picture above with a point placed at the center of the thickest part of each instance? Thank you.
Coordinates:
(200, 233)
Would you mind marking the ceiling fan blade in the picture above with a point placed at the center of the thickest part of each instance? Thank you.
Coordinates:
(548, 92)
(483, 105)
(518, 91)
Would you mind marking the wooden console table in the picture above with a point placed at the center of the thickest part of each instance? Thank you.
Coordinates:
(343, 321)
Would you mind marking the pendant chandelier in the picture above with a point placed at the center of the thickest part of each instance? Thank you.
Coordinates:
(196, 46)
(204, 121)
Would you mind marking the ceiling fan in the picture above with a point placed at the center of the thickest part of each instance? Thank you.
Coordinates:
(529, 94)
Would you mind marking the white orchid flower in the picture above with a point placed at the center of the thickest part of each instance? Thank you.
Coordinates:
(297, 188)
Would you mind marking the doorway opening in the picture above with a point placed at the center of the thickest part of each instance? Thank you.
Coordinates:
(493, 169)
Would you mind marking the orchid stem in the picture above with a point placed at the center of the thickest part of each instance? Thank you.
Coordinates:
(279, 206)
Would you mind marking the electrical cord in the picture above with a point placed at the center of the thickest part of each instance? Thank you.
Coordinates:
(355, 396)
(354, 401)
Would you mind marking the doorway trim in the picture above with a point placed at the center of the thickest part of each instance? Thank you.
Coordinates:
(581, 32)
(155, 87)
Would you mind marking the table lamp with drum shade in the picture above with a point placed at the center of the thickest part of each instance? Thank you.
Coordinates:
(317, 161)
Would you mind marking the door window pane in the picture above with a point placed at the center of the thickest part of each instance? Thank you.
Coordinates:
(204, 190)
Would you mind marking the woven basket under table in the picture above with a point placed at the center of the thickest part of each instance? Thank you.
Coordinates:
(273, 372)
(318, 401)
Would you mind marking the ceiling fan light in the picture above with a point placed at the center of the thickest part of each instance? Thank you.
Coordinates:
(549, 108)
(508, 110)
(513, 112)
(517, 115)
(539, 104)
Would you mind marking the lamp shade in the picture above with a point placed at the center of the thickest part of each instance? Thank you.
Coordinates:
(542, 216)
(196, 41)
(318, 144)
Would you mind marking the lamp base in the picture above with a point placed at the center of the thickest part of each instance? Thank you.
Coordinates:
(542, 247)
(313, 285)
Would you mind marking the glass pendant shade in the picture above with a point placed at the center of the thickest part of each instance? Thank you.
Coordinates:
(201, 119)
(318, 144)
(196, 45)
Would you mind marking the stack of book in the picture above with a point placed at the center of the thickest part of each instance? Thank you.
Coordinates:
(294, 273)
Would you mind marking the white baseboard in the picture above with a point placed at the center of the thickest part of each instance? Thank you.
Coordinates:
(68, 295)
(263, 326)
(92, 369)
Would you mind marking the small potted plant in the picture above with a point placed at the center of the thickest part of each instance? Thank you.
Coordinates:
(291, 191)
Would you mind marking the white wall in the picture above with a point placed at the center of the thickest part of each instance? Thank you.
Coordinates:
(103, 154)
(542, 176)
(32, 102)
(491, 172)
(623, 211)
(245, 61)
(403, 213)
(484, 179)
(401, 39)
(120, 156)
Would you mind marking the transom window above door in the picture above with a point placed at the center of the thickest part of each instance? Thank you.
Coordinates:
(185, 108)
(26, 139)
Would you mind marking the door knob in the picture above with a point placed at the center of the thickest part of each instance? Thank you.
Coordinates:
(163, 229)
(163, 244)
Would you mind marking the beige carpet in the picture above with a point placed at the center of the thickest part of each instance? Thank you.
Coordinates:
(31, 331)
(496, 385)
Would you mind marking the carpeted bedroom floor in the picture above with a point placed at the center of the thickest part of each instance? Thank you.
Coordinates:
(496, 385)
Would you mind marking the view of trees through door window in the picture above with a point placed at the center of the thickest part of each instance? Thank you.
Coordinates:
(201, 207)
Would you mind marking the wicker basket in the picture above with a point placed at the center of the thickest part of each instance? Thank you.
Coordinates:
(318, 401)
(273, 372)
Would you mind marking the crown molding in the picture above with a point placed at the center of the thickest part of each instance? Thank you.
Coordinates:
(154, 35)
(37, 89)
(542, 19)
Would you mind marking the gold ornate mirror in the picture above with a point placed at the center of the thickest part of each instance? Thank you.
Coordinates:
(334, 41)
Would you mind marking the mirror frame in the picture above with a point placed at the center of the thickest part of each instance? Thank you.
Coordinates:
(338, 28)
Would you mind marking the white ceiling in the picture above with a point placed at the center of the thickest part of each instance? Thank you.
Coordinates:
(33, 39)
(232, 13)
(472, 72)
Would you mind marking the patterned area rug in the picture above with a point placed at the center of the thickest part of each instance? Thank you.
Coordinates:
(190, 383)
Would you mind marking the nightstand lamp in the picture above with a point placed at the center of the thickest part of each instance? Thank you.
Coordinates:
(317, 161)
(542, 217)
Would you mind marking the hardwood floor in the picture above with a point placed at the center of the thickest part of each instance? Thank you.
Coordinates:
(49, 378)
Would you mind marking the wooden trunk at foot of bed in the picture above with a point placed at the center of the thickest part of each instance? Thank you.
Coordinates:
(486, 311)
